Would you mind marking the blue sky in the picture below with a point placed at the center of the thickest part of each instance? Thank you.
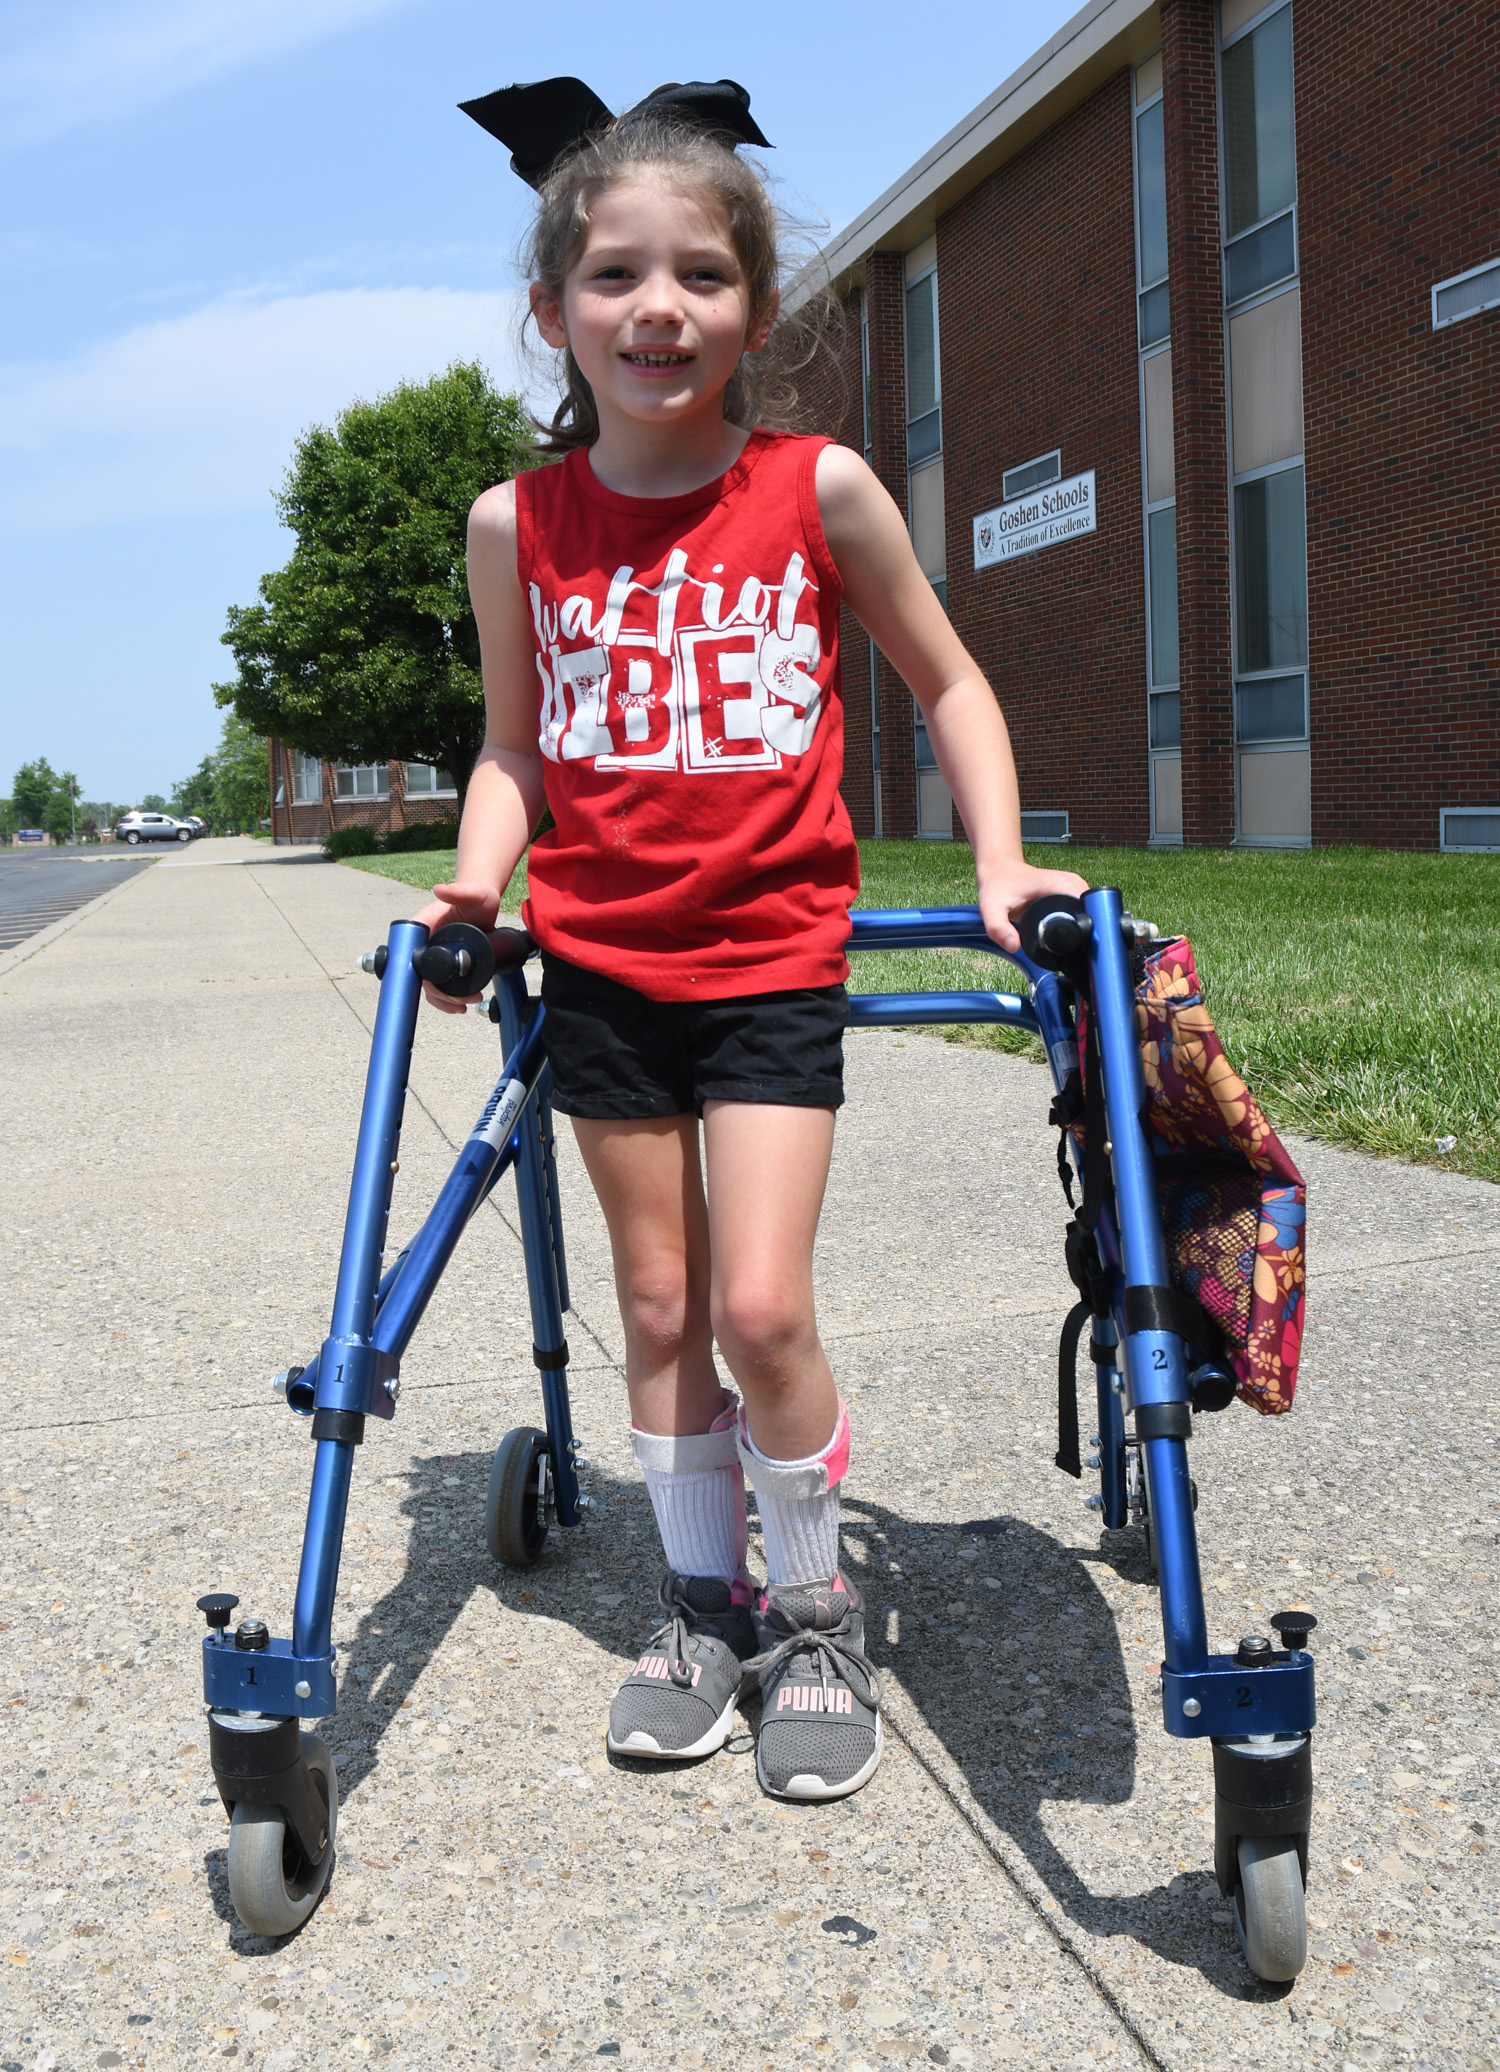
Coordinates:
(221, 222)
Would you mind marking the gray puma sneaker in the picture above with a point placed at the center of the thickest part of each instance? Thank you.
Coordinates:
(820, 1731)
(678, 1701)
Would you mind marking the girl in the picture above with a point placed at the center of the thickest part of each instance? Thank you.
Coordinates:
(659, 622)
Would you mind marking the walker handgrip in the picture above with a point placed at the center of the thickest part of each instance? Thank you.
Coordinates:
(1053, 929)
(511, 947)
(458, 961)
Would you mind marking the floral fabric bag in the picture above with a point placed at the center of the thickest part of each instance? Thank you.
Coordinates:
(1233, 1205)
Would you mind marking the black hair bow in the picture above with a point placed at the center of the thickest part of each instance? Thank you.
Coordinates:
(543, 120)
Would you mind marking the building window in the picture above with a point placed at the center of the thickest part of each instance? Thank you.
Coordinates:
(362, 781)
(1151, 205)
(926, 512)
(1466, 295)
(307, 780)
(1158, 479)
(423, 780)
(924, 414)
(1260, 159)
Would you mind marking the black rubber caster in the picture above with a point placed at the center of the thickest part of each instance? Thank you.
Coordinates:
(519, 1504)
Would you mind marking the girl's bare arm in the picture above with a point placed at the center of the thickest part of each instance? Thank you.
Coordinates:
(884, 585)
(505, 795)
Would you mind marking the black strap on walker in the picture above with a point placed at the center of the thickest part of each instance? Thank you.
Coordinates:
(1081, 1096)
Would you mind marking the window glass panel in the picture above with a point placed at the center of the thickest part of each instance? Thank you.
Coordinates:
(1259, 149)
(922, 389)
(1156, 400)
(922, 751)
(1161, 546)
(1166, 719)
(1151, 193)
(343, 784)
(1275, 709)
(864, 371)
(1260, 260)
(1156, 314)
(924, 438)
(1032, 474)
(927, 533)
(1467, 298)
(1166, 787)
(1270, 551)
(418, 778)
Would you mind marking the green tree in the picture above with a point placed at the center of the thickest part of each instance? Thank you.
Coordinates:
(59, 818)
(32, 792)
(153, 802)
(364, 647)
(241, 798)
(195, 794)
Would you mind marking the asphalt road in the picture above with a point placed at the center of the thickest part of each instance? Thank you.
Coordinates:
(40, 886)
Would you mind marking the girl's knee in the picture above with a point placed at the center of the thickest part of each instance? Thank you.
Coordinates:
(660, 1311)
(764, 1329)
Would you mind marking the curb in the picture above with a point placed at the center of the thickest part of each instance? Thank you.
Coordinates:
(48, 935)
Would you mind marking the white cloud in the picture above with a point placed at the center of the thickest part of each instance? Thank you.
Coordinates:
(198, 413)
(67, 62)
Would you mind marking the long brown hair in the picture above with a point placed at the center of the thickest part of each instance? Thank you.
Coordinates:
(765, 388)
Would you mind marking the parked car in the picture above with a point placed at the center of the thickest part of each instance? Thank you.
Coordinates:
(151, 827)
(196, 823)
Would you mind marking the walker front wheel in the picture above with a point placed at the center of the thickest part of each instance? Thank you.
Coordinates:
(1270, 1907)
(271, 1883)
(519, 1504)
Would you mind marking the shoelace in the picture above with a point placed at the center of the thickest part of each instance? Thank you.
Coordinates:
(675, 1633)
(833, 1653)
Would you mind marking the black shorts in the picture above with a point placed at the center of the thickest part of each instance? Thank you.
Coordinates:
(617, 1056)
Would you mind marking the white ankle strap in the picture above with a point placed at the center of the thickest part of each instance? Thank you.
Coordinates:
(691, 1453)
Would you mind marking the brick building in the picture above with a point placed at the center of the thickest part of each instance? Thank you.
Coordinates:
(1181, 354)
(309, 797)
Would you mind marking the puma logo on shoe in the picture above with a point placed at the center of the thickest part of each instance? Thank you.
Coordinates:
(811, 1698)
(658, 1665)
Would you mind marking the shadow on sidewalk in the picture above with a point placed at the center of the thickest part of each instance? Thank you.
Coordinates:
(1031, 1698)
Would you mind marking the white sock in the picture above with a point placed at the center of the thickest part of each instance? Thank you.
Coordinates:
(799, 1506)
(697, 1490)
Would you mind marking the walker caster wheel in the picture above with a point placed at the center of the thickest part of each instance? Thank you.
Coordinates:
(271, 1883)
(519, 1505)
(1270, 1907)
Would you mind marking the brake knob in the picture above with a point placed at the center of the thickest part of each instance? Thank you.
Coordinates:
(1294, 1628)
(216, 1608)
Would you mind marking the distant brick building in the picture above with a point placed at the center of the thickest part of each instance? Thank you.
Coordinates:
(1181, 354)
(309, 797)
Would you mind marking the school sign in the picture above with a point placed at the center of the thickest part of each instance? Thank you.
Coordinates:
(1061, 511)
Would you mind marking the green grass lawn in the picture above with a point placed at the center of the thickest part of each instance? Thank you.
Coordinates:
(1357, 990)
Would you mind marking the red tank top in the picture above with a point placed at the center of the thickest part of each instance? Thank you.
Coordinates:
(691, 726)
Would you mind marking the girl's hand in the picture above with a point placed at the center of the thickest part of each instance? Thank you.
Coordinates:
(1005, 891)
(465, 901)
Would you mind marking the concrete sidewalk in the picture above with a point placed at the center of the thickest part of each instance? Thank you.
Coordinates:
(1028, 1876)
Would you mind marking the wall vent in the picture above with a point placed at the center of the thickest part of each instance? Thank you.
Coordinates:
(1032, 474)
(1472, 828)
(1044, 827)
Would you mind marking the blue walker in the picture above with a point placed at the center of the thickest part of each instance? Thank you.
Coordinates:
(1255, 1707)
